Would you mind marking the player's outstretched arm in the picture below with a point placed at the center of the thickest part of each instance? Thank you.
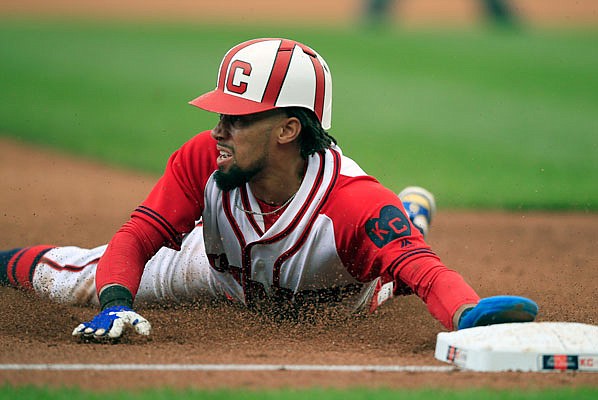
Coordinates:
(115, 317)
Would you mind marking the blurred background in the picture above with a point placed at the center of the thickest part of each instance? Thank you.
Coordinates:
(405, 12)
(488, 103)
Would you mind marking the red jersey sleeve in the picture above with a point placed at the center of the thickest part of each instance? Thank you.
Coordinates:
(373, 233)
(168, 213)
(375, 238)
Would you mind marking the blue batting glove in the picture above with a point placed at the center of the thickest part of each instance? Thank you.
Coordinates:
(499, 310)
(110, 323)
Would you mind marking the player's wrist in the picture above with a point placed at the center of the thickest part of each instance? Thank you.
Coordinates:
(115, 295)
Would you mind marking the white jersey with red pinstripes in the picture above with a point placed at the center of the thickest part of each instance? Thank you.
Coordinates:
(297, 253)
(322, 241)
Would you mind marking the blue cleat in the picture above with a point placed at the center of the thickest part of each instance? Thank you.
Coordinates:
(499, 310)
(420, 206)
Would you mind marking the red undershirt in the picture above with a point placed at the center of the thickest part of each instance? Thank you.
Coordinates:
(270, 219)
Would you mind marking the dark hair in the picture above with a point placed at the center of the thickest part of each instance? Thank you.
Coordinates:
(313, 137)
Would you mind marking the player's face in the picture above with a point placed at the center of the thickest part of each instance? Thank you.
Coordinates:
(244, 143)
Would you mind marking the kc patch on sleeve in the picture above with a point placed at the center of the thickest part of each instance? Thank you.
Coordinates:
(392, 224)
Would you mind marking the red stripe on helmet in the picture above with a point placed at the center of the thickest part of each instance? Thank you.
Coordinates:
(320, 82)
(279, 71)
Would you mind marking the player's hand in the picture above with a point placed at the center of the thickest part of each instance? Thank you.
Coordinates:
(111, 323)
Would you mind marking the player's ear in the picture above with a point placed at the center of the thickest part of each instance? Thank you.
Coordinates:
(290, 128)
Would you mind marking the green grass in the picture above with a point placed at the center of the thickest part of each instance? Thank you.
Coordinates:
(489, 119)
(25, 393)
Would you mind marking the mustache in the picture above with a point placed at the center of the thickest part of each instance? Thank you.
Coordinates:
(224, 146)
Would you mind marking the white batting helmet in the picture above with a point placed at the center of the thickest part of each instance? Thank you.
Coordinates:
(263, 74)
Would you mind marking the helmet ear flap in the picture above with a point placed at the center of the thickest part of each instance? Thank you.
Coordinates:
(263, 74)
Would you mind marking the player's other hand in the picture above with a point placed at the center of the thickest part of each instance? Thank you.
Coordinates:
(111, 323)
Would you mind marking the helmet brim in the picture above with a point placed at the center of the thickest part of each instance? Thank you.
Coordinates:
(219, 102)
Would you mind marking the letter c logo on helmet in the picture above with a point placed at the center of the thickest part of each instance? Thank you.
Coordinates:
(263, 74)
(233, 82)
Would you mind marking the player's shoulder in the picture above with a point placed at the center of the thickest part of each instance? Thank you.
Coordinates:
(352, 177)
(356, 188)
(350, 168)
(364, 188)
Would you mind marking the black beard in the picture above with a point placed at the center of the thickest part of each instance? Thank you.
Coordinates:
(234, 178)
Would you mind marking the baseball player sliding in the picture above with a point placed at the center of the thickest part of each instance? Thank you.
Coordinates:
(264, 210)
